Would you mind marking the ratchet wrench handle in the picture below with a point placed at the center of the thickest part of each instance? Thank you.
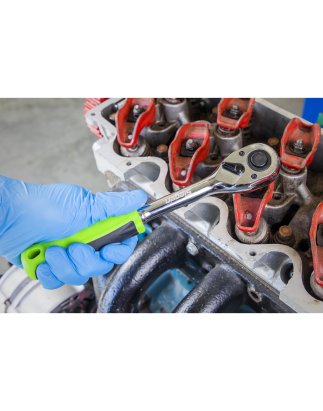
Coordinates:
(111, 230)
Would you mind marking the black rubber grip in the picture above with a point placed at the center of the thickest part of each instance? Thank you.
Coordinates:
(123, 233)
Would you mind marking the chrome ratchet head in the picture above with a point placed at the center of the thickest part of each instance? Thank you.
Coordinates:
(248, 169)
(252, 167)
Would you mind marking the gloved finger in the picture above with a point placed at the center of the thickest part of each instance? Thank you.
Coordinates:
(47, 278)
(62, 267)
(119, 253)
(17, 262)
(115, 204)
(87, 261)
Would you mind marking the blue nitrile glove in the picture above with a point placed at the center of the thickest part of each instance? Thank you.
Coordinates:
(32, 213)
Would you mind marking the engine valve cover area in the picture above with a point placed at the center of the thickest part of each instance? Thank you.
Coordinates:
(265, 233)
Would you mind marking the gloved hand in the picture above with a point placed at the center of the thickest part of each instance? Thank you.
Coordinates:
(32, 213)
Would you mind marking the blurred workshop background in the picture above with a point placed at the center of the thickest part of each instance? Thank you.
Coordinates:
(46, 141)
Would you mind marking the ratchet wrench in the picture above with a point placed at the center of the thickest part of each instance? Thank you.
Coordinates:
(245, 170)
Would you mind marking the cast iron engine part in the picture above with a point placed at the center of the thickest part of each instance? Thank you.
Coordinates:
(198, 109)
(233, 116)
(124, 288)
(284, 268)
(176, 109)
(164, 248)
(221, 290)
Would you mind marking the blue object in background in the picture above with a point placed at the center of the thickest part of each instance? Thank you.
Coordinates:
(312, 108)
(172, 286)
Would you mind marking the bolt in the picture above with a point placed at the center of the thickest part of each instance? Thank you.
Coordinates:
(235, 111)
(241, 153)
(254, 176)
(183, 173)
(138, 110)
(299, 146)
(285, 232)
(249, 216)
(162, 151)
(284, 236)
(191, 146)
(192, 249)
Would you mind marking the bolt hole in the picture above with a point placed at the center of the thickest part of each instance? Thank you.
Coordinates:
(252, 253)
(33, 254)
(129, 163)
(277, 196)
(92, 114)
(254, 295)
(286, 273)
(304, 245)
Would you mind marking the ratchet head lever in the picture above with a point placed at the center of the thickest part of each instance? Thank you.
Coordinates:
(245, 170)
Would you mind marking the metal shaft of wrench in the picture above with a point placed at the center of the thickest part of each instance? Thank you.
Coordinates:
(245, 170)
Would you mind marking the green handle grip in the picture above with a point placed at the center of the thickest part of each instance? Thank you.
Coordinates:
(111, 230)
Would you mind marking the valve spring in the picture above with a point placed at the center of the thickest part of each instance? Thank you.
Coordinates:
(247, 130)
(149, 151)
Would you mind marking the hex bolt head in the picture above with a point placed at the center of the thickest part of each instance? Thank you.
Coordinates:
(192, 249)
(162, 151)
(183, 173)
(249, 216)
(285, 233)
(284, 236)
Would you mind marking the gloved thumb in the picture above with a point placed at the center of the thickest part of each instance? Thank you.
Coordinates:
(112, 204)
